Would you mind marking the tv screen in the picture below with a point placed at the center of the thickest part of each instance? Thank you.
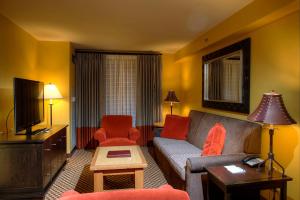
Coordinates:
(29, 103)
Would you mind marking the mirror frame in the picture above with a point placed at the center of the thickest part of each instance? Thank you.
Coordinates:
(243, 107)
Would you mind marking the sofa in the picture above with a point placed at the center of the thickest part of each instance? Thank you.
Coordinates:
(181, 160)
(165, 192)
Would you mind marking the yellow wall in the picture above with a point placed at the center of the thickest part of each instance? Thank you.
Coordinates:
(53, 65)
(18, 56)
(171, 81)
(23, 56)
(275, 50)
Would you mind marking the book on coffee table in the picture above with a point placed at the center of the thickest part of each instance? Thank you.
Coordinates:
(118, 154)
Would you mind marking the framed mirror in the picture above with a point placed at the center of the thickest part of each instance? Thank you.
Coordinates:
(226, 78)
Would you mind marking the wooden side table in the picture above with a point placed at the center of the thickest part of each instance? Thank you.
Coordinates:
(244, 185)
(156, 129)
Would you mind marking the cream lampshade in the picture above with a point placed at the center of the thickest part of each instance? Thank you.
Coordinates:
(51, 92)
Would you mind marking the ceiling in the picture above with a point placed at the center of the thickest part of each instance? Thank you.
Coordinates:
(136, 25)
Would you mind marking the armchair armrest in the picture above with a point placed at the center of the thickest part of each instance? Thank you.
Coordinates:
(100, 135)
(134, 134)
(198, 164)
(68, 193)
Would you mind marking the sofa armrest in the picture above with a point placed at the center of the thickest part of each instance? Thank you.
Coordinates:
(198, 164)
(100, 135)
(134, 134)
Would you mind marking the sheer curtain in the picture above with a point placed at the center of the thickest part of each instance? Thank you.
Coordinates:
(232, 81)
(120, 84)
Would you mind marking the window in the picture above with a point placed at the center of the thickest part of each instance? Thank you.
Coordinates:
(120, 85)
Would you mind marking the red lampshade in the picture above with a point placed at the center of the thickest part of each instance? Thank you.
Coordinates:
(271, 110)
(171, 97)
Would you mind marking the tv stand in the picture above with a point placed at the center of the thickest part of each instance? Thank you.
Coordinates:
(29, 163)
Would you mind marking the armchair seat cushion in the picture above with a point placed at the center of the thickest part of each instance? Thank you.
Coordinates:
(118, 141)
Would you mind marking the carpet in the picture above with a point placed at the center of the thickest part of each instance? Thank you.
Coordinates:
(77, 176)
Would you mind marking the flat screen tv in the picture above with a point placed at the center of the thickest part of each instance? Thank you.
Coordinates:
(28, 104)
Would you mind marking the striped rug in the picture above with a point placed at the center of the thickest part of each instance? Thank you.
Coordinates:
(77, 176)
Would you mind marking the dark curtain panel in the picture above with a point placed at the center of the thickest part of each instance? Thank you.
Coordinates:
(90, 96)
(215, 80)
(148, 94)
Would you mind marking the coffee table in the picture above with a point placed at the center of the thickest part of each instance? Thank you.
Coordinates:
(103, 166)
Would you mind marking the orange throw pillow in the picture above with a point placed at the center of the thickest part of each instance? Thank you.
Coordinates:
(176, 127)
(215, 140)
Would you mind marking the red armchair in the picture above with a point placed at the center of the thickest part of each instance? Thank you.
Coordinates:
(165, 192)
(117, 130)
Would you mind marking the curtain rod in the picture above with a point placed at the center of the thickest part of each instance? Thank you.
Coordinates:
(117, 52)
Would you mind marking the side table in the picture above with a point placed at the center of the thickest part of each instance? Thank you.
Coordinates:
(245, 185)
(156, 128)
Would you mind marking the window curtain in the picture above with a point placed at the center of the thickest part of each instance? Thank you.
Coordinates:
(90, 96)
(215, 80)
(120, 84)
(116, 84)
(148, 94)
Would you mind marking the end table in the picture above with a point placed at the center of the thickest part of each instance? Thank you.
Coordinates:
(245, 185)
(156, 128)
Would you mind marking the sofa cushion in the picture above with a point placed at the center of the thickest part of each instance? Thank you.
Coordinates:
(177, 152)
(214, 142)
(174, 147)
(175, 127)
(159, 141)
(178, 162)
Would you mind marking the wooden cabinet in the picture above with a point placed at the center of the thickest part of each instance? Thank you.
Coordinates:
(28, 164)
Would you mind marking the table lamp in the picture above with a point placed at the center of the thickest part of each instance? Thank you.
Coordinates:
(51, 92)
(271, 111)
(171, 98)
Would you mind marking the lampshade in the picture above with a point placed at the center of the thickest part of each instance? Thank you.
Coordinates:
(171, 97)
(51, 92)
(271, 110)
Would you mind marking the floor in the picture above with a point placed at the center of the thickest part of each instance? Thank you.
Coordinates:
(77, 176)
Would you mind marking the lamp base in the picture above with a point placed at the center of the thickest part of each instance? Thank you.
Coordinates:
(270, 166)
(271, 156)
(51, 104)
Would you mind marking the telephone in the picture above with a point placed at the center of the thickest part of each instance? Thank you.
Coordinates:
(252, 160)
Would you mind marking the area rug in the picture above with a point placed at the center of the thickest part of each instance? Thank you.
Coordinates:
(77, 176)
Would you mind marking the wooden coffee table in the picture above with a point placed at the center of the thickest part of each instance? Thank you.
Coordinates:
(103, 166)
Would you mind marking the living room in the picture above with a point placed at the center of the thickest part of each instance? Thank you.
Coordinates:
(272, 26)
